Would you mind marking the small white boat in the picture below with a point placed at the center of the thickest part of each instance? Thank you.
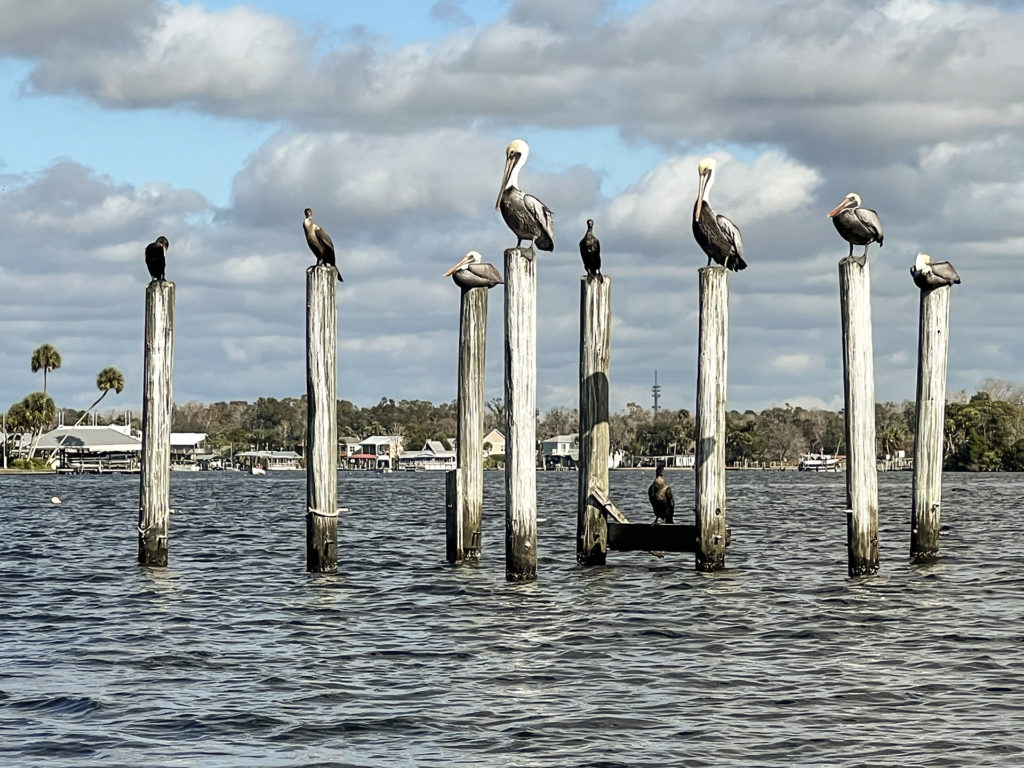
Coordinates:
(258, 470)
(820, 462)
(185, 466)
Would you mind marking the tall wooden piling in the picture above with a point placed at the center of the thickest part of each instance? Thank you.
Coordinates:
(322, 424)
(155, 470)
(595, 360)
(932, 349)
(712, 372)
(520, 414)
(859, 388)
(463, 543)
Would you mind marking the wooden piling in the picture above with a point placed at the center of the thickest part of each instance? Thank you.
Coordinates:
(520, 414)
(710, 420)
(595, 358)
(322, 424)
(859, 388)
(155, 470)
(932, 349)
(469, 488)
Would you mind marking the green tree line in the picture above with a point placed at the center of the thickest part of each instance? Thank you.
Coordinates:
(984, 431)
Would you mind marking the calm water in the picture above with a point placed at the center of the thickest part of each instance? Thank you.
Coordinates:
(234, 656)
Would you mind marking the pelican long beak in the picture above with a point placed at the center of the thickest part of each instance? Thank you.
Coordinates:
(510, 162)
(841, 207)
(700, 195)
(465, 260)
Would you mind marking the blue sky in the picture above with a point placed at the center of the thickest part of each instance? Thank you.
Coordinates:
(216, 123)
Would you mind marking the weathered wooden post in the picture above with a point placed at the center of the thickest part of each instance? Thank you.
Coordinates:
(932, 349)
(155, 470)
(464, 542)
(712, 378)
(321, 420)
(520, 414)
(595, 358)
(859, 388)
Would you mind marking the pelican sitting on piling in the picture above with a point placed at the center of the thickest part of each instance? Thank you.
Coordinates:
(525, 215)
(660, 494)
(856, 224)
(319, 242)
(933, 274)
(590, 252)
(471, 272)
(156, 258)
(718, 237)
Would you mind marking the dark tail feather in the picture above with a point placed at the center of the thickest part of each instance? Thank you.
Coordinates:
(544, 243)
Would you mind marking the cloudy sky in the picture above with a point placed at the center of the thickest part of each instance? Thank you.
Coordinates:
(216, 123)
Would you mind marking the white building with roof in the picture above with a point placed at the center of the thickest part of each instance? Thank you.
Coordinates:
(110, 448)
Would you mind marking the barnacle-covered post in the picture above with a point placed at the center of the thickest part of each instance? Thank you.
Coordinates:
(321, 419)
(934, 280)
(155, 469)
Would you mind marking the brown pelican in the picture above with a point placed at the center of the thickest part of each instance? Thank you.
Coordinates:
(590, 250)
(472, 273)
(855, 224)
(932, 274)
(156, 257)
(525, 215)
(661, 497)
(718, 237)
(319, 242)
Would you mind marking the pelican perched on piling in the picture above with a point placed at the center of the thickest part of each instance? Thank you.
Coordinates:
(718, 237)
(525, 215)
(156, 258)
(856, 224)
(660, 494)
(471, 272)
(319, 242)
(590, 252)
(933, 274)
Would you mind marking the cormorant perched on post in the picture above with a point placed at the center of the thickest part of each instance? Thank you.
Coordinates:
(525, 215)
(590, 251)
(718, 237)
(156, 258)
(471, 272)
(933, 274)
(319, 242)
(856, 225)
(660, 494)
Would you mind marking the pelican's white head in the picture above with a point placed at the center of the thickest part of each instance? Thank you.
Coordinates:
(923, 264)
(852, 200)
(706, 171)
(515, 157)
(471, 257)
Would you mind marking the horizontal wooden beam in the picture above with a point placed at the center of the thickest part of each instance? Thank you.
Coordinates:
(643, 537)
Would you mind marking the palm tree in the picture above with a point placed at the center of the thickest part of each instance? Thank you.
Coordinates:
(45, 359)
(34, 413)
(109, 378)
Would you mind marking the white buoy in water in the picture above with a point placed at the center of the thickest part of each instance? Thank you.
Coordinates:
(55, 499)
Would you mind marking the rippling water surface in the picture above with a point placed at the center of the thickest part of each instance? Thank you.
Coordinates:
(234, 656)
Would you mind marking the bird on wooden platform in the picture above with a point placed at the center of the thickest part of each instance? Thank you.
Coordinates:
(525, 215)
(319, 242)
(660, 494)
(933, 274)
(471, 272)
(718, 237)
(590, 251)
(156, 258)
(856, 224)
